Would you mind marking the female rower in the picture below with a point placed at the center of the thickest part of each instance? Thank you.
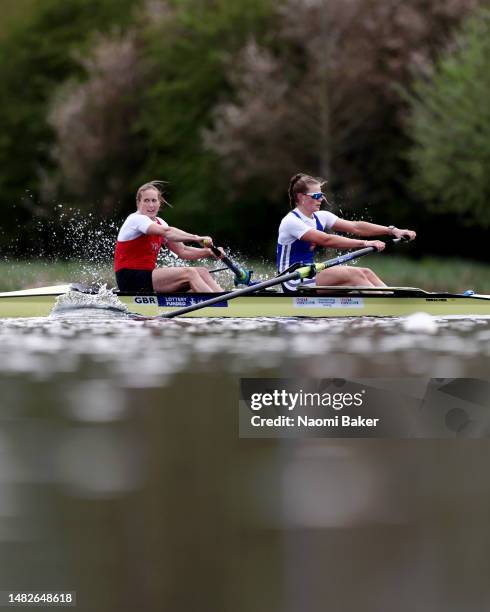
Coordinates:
(302, 230)
(139, 241)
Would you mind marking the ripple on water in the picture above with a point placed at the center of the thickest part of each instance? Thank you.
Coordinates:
(146, 353)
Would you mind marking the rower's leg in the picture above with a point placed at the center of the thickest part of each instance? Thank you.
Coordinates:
(196, 282)
(179, 279)
(208, 279)
(344, 275)
(373, 278)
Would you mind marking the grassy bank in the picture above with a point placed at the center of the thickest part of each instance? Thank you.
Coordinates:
(429, 273)
(38, 273)
(432, 273)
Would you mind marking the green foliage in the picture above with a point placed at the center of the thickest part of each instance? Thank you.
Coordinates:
(318, 95)
(34, 59)
(15, 12)
(450, 127)
(94, 123)
(189, 53)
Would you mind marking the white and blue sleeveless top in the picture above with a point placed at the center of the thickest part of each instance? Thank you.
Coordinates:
(291, 249)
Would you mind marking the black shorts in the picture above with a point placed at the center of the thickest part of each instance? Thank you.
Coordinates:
(134, 281)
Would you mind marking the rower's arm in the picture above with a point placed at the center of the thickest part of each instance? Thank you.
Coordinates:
(175, 234)
(187, 252)
(363, 228)
(332, 241)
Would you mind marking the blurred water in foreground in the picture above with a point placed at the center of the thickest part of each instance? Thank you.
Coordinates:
(122, 476)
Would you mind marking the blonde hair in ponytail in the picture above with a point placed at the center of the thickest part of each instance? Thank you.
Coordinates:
(158, 185)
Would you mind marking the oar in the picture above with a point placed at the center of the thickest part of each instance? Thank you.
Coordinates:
(242, 277)
(308, 271)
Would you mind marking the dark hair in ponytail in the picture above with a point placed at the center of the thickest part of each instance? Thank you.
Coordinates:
(299, 184)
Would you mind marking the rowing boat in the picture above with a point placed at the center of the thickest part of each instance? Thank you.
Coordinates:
(321, 302)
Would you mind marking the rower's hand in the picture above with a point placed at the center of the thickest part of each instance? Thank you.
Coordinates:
(404, 233)
(206, 241)
(215, 255)
(379, 245)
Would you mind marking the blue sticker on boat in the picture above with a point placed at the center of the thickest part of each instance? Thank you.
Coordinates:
(181, 301)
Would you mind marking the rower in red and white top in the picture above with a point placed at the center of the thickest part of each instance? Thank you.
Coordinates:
(139, 241)
(135, 249)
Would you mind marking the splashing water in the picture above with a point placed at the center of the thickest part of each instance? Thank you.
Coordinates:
(104, 299)
(89, 241)
(420, 322)
(71, 245)
(78, 246)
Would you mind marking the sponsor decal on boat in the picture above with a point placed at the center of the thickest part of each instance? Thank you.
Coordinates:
(180, 301)
(328, 302)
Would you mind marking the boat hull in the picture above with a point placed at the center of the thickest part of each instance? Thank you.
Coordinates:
(37, 303)
(318, 307)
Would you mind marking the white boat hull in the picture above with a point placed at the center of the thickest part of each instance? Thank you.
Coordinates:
(338, 302)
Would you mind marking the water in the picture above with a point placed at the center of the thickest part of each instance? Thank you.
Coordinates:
(122, 476)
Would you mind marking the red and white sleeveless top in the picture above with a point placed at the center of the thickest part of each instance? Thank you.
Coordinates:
(136, 250)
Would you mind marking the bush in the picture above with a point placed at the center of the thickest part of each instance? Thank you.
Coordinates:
(450, 128)
(37, 56)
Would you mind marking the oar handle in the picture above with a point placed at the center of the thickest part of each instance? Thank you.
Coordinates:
(305, 273)
(209, 245)
(241, 276)
(214, 249)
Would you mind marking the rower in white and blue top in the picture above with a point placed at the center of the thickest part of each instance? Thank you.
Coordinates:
(302, 232)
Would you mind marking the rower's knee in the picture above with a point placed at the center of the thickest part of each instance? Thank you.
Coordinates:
(202, 271)
(368, 273)
(360, 276)
(192, 273)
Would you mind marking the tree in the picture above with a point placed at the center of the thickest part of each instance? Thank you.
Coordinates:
(141, 103)
(322, 94)
(450, 128)
(225, 100)
(188, 52)
(37, 56)
(96, 140)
